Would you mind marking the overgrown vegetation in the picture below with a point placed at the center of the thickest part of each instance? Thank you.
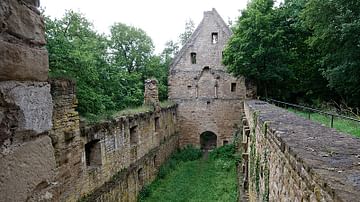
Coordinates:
(109, 70)
(302, 51)
(212, 179)
(343, 125)
(111, 114)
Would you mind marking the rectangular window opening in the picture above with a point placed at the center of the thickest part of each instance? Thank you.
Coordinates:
(157, 124)
(193, 58)
(133, 136)
(93, 153)
(233, 87)
(214, 37)
(225, 142)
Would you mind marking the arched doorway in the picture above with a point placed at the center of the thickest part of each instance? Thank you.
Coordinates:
(208, 141)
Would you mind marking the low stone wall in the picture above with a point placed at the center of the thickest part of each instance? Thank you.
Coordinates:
(288, 158)
(111, 160)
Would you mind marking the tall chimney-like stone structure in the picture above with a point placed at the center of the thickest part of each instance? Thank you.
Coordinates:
(151, 94)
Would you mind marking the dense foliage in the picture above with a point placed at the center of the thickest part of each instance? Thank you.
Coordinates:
(109, 70)
(300, 51)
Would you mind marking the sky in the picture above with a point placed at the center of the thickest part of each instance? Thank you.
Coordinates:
(162, 20)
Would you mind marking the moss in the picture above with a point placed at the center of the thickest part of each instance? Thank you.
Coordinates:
(265, 127)
(266, 177)
(255, 117)
(252, 159)
(257, 174)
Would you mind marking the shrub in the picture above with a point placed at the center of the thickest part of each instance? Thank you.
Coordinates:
(225, 152)
(189, 153)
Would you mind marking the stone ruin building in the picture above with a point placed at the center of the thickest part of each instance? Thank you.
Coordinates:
(210, 100)
(46, 154)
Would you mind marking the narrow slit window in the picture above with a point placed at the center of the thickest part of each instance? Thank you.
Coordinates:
(193, 58)
(233, 87)
(214, 37)
(157, 124)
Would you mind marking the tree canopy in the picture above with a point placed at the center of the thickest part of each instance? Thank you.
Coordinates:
(300, 51)
(109, 70)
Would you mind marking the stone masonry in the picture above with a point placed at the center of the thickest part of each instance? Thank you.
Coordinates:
(289, 158)
(27, 161)
(208, 98)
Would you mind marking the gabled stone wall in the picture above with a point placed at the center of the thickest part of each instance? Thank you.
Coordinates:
(209, 98)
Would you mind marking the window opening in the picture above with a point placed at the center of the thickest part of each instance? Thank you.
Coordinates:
(233, 87)
(193, 58)
(214, 37)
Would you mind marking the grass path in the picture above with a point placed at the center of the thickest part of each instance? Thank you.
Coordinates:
(204, 180)
(342, 125)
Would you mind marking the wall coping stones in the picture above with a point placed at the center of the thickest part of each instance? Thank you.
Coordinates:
(332, 158)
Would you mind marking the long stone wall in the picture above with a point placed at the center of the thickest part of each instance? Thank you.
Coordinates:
(288, 158)
(110, 160)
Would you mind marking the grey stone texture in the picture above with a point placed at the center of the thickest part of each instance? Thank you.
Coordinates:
(203, 91)
(26, 170)
(306, 161)
(27, 105)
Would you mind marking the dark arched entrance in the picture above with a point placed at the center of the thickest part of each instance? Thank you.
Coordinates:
(208, 141)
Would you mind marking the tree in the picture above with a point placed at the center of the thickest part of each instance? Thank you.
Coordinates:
(131, 48)
(76, 51)
(336, 28)
(256, 49)
(189, 29)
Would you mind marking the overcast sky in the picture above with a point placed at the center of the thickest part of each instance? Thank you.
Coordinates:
(162, 20)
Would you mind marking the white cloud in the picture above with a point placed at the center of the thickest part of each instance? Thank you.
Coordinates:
(162, 20)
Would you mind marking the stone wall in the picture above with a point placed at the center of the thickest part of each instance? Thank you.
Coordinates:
(27, 160)
(126, 145)
(209, 98)
(110, 160)
(288, 158)
(67, 142)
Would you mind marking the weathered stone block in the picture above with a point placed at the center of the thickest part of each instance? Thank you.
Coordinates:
(26, 170)
(31, 105)
(23, 63)
(22, 22)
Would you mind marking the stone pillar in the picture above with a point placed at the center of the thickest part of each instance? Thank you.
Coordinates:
(27, 160)
(151, 95)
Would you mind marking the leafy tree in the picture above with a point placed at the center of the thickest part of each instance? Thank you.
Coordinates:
(131, 48)
(336, 35)
(256, 49)
(78, 52)
(109, 70)
(189, 29)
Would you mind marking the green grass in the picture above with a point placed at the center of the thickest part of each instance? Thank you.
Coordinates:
(211, 179)
(92, 118)
(342, 125)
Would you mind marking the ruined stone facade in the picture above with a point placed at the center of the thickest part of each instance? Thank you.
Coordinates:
(209, 99)
(110, 160)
